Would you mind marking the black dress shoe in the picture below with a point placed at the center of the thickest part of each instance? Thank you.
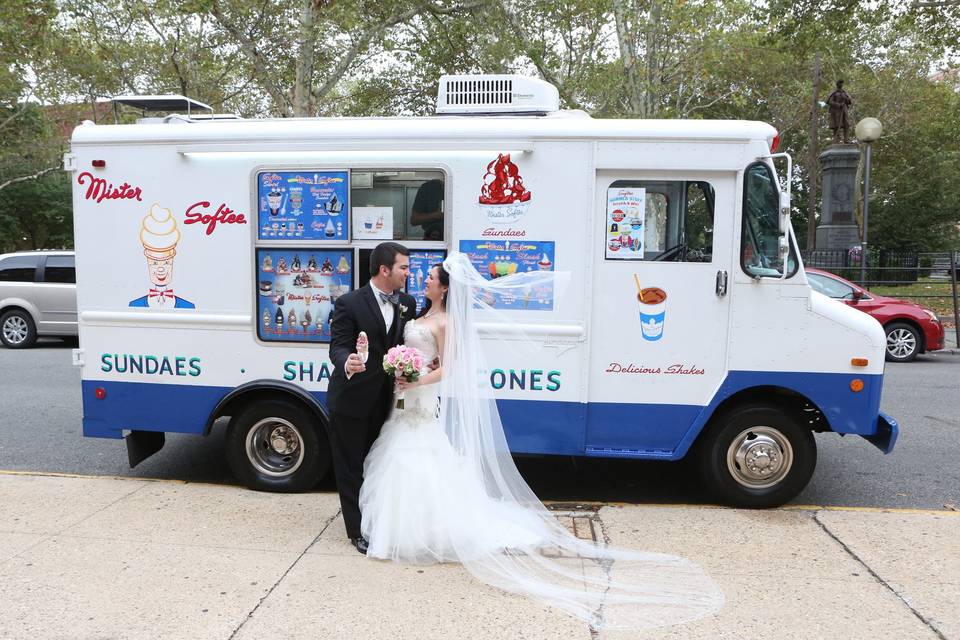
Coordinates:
(361, 544)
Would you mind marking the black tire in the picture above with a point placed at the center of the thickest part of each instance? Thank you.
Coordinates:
(17, 330)
(772, 440)
(288, 448)
(903, 342)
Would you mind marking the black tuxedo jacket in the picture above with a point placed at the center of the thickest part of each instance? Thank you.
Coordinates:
(355, 312)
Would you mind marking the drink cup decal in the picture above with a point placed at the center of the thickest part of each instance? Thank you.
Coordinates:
(652, 302)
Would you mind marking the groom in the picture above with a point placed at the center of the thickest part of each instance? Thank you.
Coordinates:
(359, 394)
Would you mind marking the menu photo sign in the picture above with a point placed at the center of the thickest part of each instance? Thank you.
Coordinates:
(626, 208)
(303, 205)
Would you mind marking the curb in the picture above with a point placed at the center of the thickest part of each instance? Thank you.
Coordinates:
(558, 506)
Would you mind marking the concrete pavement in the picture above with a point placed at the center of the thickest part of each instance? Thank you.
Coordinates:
(86, 557)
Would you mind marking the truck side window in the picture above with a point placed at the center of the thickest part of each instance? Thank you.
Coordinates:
(677, 223)
(416, 198)
(760, 235)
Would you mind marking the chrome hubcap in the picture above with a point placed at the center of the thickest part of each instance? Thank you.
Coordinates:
(275, 447)
(15, 329)
(901, 343)
(759, 457)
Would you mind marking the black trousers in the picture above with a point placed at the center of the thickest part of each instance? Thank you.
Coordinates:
(350, 441)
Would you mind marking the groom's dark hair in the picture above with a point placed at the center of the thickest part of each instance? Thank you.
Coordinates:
(384, 255)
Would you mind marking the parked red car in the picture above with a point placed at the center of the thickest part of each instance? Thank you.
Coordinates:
(911, 329)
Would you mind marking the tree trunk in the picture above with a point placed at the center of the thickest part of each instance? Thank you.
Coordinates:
(814, 151)
(303, 83)
(651, 90)
(623, 10)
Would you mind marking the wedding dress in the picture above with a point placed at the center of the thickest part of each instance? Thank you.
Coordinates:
(421, 502)
(440, 484)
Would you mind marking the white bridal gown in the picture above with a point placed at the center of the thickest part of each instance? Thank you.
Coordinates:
(424, 503)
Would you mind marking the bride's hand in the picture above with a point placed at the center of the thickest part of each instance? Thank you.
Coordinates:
(403, 385)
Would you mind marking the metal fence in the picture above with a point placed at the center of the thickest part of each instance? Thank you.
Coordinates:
(927, 278)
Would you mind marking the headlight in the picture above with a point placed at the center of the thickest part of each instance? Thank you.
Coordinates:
(932, 315)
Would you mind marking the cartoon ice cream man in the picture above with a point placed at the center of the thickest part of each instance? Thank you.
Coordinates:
(159, 236)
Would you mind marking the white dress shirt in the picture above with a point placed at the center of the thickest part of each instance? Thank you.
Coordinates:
(386, 309)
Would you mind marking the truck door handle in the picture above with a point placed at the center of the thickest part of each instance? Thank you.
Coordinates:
(721, 283)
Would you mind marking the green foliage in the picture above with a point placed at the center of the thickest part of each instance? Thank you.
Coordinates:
(37, 214)
(737, 59)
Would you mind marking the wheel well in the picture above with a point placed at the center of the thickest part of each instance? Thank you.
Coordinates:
(17, 307)
(916, 327)
(240, 398)
(802, 409)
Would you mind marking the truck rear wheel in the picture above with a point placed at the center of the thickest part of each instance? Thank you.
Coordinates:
(277, 445)
(757, 456)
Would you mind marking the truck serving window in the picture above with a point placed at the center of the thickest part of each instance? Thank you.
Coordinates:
(408, 202)
(662, 220)
(760, 235)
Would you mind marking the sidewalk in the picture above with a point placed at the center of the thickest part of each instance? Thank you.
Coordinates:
(115, 558)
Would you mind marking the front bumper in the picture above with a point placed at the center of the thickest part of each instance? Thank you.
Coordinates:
(886, 436)
(934, 336)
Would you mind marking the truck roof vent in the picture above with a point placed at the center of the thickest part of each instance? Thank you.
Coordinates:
(496, 94)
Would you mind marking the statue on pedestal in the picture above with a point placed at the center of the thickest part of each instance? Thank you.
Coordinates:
(839, 103)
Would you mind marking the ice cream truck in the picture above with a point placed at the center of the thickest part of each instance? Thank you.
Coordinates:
(210, 252)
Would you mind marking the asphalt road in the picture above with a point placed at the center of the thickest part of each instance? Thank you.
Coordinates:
(40, 430)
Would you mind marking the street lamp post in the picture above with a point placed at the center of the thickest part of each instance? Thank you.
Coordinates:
(867, 130)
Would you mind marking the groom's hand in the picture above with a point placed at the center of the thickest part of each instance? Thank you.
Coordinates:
(355, 364)
(434, 364)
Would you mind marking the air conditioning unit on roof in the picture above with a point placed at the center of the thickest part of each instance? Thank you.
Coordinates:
(496, 94)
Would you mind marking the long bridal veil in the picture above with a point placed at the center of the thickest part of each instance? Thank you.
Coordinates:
(609, 588)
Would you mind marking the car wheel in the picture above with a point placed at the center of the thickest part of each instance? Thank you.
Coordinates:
(17, 330)
(757, 456)
(903, 342)
(277, 445)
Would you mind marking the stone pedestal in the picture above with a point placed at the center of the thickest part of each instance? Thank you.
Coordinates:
(837, 228)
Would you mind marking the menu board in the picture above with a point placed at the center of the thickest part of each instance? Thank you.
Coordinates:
(420, 264)
(296, 291)
(303, 205)
(626, 208)
(498, 258)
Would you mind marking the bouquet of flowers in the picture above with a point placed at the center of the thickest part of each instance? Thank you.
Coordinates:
(403, 362)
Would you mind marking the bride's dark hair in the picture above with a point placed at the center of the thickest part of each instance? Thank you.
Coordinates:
(445, 281)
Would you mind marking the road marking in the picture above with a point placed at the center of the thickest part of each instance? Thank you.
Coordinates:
(566, 503)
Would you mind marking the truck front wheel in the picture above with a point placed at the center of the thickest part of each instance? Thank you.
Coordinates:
(757, 456)
(277, 445)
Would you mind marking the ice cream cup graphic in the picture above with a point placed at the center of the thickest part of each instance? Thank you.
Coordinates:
(274, 200)
(653, 310)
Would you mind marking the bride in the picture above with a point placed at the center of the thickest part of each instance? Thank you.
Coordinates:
(440, 484)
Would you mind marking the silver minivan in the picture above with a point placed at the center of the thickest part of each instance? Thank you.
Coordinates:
(38, 297)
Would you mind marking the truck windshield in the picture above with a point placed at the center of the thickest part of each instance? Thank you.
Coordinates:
(760, 235)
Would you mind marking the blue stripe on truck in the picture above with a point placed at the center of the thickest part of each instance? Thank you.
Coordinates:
(650, 431)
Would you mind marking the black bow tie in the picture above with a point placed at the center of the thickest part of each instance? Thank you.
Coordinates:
(392, 298)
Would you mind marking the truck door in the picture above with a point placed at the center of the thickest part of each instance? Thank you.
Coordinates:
(660, 309)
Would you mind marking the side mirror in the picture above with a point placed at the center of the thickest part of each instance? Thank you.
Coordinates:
(857, 296)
